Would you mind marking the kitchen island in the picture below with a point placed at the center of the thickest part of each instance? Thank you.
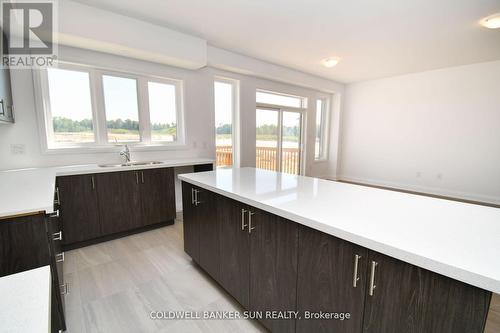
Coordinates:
(396, 262)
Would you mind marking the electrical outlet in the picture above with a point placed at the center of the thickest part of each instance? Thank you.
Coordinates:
(17, 149)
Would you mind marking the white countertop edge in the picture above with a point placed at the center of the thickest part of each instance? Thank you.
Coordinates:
(72, 170)
(456, 273)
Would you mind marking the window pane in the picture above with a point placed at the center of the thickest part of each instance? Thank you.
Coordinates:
(70, 105)
(266, 143)
(318, 149)
(223, 99)
(122, 115)
(162, 111)
(290, 145)
(278, 99)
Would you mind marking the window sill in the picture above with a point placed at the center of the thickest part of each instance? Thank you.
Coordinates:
(92, 149)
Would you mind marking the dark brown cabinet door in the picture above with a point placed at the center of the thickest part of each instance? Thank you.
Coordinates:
(234, 250)
(119, 201)
(209, 233)
(326, 281)
(23, 244)
(79, 208)
(190, 222)
(413, 300)
(273, 267)
(157, 195)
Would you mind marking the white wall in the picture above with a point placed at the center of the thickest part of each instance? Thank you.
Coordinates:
(436, 131)
(199, 114)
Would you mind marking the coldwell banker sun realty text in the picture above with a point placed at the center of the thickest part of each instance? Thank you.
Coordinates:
(28, 33)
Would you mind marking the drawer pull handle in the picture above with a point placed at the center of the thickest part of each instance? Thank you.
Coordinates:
(250, 228)
(192, 196)
(372, 278)
(92, 180)
(57, 200)
(243, 225)
(57, 236)
(355, 277)
(64, 289)
(60, 257)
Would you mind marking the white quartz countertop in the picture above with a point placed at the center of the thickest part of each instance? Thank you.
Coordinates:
(25, 302)
(28, 191)
(455, 239)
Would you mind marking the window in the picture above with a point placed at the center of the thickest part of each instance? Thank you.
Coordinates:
(162, 112)
(122, 110)
(278, 130)
(86, 107)
(267, 97)
(70, 106)
(320, 138)
(223, 106)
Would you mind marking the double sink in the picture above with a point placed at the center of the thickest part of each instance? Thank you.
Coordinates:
(128, 164)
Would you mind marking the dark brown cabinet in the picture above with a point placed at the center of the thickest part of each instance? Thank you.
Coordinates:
(190, 222)
(331, 277)
(273, 267)
(234, 249)
(77, 196)
(157, 196)
(55, 236)
(209, 257)
(200, 219)
(411, 299)
(119, 201)
(101, 206)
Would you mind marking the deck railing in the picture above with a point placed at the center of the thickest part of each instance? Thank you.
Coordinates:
(265, 158)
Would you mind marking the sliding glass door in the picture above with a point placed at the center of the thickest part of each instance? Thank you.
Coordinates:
(278, 140)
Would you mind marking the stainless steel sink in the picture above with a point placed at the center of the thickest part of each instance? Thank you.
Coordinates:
(129, 164)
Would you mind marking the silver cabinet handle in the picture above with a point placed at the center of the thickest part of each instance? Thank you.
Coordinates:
(372, 278)
(60, 257)
(92, 180)
(196, 202)
(57, 200)
(250, 228)
(57, 236)
(355, 277)
(137, 177)
(142, 177)
(64, 288)
(243, 225)
(192, 196)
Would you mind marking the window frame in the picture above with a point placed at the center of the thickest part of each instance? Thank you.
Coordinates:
(101, 144)
(235, 129)
(325, 118)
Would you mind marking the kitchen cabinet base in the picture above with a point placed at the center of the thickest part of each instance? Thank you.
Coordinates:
(73, 246)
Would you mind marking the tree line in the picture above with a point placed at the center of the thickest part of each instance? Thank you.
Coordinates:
(62, 124)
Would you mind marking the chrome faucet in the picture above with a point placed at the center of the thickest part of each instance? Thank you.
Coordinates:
(125, 153)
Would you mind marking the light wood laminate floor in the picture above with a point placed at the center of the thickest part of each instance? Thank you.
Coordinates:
(115, 285)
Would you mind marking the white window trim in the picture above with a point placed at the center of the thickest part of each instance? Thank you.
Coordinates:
(325, 126)
(44, 117)
(235, 116)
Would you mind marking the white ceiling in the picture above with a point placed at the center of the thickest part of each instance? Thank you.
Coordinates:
(374, 38)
